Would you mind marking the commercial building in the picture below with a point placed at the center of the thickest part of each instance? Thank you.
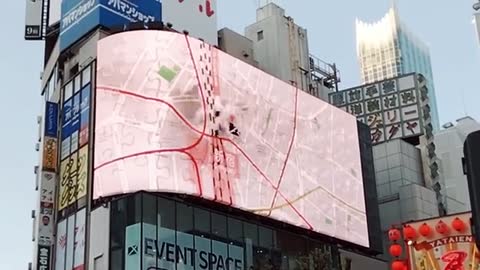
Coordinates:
(406, 166)
(281, 49)
(167, 153)
(449, 148)
(387, 49)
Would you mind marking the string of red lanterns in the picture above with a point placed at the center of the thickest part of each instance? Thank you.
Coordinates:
(410, 234)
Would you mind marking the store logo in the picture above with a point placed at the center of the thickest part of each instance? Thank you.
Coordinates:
(132, 250)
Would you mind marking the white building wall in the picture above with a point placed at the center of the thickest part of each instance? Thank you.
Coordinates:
(99, 239)
(449, 148)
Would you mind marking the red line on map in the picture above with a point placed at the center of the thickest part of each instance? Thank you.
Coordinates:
(185, 121)
(203, 134)
(292, 140)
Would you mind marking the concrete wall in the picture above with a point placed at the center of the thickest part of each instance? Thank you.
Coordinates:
(272, 46)
(402, 195)
(237, 46)
(449, 148)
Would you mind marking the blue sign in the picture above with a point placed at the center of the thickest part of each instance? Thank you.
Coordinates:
(76, 113)
(67, 119)
(51, 119)
(81, 16)
(84, 115)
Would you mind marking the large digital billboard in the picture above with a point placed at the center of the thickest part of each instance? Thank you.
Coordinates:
(78, 17)
(174, 114)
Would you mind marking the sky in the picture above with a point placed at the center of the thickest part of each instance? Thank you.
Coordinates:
(446, 26)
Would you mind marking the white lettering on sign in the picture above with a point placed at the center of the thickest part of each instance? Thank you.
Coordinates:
(77, 13)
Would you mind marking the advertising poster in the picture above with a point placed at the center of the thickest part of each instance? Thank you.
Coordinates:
(51, 119)
(61, 245)
(50, 152)
(68, 181)
(207, 124)
(79, 245)
(162, 251)
(84, 115)
(449, 245)
(70, 242)
(82, 173)
(45, 226)
(47, 189)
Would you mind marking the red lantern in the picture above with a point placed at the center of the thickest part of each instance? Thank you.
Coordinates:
(398, 265)
(395, 250)
(409, 232)
(458, 225)
(425, 230)
(441, 227)
(394, 234)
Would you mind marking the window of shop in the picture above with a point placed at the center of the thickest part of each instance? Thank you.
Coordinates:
(150, 232)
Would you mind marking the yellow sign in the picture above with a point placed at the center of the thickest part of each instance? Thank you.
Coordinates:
(82, 172)
(50, 154)
(73, 178)
(449, 245)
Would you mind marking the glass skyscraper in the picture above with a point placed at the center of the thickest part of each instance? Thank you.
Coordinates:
(387, 49)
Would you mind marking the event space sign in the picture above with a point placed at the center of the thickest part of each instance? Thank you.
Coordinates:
(159, 250)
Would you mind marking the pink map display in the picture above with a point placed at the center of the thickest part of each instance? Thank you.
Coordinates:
(174, 114)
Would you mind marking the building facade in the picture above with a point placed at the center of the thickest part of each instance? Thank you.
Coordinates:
(281, 49)
(387, 49)
(449, 147)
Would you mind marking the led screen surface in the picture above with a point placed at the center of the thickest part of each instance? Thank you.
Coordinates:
(176, 115)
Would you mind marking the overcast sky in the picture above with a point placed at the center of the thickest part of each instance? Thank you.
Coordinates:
(446, 26)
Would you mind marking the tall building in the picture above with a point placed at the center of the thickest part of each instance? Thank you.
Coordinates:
(281, 49)
(387, 49)
(449, 148)
(159, 151)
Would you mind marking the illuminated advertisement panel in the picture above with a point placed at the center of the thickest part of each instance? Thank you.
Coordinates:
(174, 114)
(78, 17)
(449, 244)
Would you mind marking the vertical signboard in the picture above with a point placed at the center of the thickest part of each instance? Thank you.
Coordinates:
(51, 119)
(74, 151)
(33, 19)
(45, 220)
(43, 255)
